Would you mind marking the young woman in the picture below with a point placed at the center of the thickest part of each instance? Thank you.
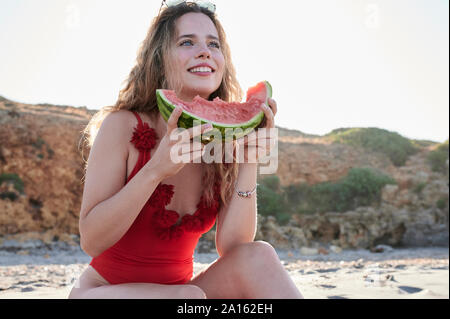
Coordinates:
(142, 215)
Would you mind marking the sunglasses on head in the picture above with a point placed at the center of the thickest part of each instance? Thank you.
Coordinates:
(203, 4)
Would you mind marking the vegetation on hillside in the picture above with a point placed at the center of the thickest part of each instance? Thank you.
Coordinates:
(272, 199)
(438, 158)
(17, 183)
(396, 147)
(360, 187)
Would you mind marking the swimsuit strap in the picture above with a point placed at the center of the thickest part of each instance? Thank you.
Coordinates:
(138, 118)
(144, 140)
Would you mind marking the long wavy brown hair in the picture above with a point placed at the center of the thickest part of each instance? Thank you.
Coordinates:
(150, 73)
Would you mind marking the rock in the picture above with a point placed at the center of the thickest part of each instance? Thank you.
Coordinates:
(382, 249)
(205, 246)
(306, 251)
(260, 220)
(296, 236)
(274, 234)
(389, 192)
(328, 286)
(409, 289)
(400, 266)
(335, 249)
(390, 278)
(210, 236)
(420, 177)
(327, 270)
(434, 191)
(358, 264)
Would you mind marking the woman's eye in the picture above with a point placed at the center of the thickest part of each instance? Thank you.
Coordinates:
(186, 42)
(190, 43)
(215, 44)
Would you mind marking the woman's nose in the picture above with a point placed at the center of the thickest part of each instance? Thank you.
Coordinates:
(204, 52)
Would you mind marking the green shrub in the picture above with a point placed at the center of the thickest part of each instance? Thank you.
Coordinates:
(441, 203)
(271, 182)
(38, 143)
(361, 187)
(419, 187)
(15, 179)
(271, 200)
(365, 184)
(396, 147)
(439, 157)
(8, 195)
(50, 152)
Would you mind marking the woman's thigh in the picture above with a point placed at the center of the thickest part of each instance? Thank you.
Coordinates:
(91, 285)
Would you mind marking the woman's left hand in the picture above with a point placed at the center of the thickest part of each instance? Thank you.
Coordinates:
(257, 143)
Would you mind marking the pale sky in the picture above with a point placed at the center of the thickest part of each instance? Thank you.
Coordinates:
(332, 63)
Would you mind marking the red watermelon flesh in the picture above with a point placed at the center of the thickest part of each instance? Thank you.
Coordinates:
(223, 112)
(222, 115)
(217, 110)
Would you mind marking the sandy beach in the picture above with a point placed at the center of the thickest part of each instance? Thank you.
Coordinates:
(41, 271)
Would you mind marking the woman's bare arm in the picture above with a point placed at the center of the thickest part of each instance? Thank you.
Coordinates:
(108, 207)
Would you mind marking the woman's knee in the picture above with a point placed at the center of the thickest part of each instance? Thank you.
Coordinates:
(258, 250)
(191, 292)
(254, 254)
(265, 249)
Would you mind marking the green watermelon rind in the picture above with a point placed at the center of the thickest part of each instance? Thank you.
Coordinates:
(187, 119)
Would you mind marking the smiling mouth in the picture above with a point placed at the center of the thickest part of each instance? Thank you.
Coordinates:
(202, 69)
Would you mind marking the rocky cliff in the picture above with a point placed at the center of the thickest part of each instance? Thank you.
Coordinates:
(41, 168)
(41, 184)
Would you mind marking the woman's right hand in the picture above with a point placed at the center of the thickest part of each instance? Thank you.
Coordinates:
(174, 153)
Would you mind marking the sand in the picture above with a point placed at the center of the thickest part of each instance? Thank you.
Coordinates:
(49, 272)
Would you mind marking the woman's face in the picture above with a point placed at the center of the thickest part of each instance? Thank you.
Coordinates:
(199, 59)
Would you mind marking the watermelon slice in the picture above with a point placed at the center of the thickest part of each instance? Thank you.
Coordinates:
(222, 115)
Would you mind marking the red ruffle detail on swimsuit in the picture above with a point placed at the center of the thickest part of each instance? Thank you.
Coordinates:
(144, 137)
(167, 223)
(164, 218)
(162, 195)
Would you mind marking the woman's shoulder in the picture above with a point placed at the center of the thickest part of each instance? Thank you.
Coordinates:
(137, 128)
(129, 129)
(114, 126)
(127, 120)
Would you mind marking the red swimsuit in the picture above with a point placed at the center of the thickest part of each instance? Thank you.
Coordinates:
(159, 246)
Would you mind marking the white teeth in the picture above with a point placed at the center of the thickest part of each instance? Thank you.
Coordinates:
(201, 69)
